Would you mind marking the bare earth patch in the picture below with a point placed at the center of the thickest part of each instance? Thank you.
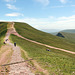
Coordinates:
(5, 54)
(3, 57)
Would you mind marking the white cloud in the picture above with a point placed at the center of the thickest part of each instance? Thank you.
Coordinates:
(14, 14)
(11, 6)
(63, 1)
(44, 2)
(10, 0)
(51, 17)
(48, 23)
(66, 18)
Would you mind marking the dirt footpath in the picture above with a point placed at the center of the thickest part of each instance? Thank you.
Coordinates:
(5, 55)
(20, 68)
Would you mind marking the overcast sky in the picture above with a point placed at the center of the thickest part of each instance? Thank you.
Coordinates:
(41, 14)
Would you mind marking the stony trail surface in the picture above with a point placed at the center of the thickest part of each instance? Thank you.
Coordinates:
(20, 68)
(4, 53)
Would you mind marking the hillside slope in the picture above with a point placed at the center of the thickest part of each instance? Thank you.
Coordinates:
(55, 61)
(31, 33)
(69, 36)
(3, 30)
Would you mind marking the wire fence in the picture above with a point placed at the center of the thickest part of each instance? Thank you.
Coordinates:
(4, 69)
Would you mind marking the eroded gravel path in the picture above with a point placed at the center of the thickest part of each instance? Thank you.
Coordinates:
(20, 68)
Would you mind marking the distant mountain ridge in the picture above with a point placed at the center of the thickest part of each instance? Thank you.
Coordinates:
(50, 30)
(66, 31)
(69, 30)
(69, 34)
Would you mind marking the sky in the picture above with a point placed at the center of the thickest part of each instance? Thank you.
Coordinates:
(41, 14)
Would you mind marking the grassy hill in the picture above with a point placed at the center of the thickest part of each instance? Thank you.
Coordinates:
(55, 61)
(31, 33)
(69, 36)
(3, 30)
(69, 30)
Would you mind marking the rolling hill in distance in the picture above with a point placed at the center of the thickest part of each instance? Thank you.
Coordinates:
(69, 30)
(50, 30)
(69, 36)
(54, 32)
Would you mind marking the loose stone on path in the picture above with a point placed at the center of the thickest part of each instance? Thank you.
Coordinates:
(20, 68)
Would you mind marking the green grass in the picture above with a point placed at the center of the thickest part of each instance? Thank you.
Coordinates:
(56, 62)
(23, 55)
(3, 30)
(31, 33)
